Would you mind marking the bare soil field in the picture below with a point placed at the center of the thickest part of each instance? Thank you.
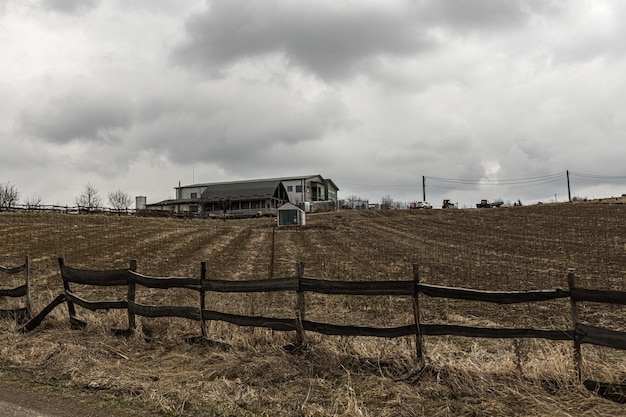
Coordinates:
(155, 372)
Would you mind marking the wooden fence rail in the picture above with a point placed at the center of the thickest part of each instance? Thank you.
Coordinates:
(21, 313)
(579, 333)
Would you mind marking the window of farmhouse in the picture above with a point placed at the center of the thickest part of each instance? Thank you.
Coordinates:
(194, 195)
(290, 188)
(298, 188)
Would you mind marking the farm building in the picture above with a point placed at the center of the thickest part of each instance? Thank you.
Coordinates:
(247, 198)
(290, 215)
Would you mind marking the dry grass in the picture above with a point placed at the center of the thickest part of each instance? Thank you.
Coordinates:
(524, 248)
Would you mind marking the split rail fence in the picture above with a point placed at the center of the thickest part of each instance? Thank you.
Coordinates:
(579, 333)
(22, 291)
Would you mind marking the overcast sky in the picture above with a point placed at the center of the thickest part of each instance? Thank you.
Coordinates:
(139, 95)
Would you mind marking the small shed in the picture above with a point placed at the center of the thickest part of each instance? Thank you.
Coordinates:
(290, 215)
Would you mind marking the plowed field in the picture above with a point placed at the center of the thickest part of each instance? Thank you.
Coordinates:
(517, 248)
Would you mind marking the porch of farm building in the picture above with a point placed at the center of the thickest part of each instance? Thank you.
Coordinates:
(245, 207)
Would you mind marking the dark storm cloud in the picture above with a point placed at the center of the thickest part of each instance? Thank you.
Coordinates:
(337, 40)
(85, 115)
(328, 40)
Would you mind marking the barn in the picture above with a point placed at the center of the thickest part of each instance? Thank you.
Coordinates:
(249, 197)
(245, 198)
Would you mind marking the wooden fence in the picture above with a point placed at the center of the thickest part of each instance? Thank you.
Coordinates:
(579, 333)
(146, 212)
(67, 209)
(21, 313)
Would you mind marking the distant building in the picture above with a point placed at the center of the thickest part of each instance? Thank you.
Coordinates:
(250, 197)
(140, 202)
(290, 215)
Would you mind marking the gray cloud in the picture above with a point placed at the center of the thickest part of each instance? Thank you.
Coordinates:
(329, 40)
(254, 125)
(484, 15)
(69, 6)
(77, 115)
(337, 41)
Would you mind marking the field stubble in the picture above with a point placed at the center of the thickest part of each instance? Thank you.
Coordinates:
(500, 249)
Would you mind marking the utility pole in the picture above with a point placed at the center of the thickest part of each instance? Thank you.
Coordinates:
(569, 192)
(423, 188)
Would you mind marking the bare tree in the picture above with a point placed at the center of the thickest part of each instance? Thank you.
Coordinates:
(120, 200)
(356, 202)
(9, 195)
(386, 202)
(33, 202)
(89, 199)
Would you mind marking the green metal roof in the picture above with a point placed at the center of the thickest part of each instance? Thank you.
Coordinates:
(257, 181)
(241, 191)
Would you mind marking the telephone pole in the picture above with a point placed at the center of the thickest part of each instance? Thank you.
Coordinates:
(423, 188)
(569, 192)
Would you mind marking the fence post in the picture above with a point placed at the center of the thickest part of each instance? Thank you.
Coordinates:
(419, 347)
(300, 307)
(571, 283)
(66, 287)
(131, 296)
(29, 307)
(202, 295)
(272, 254)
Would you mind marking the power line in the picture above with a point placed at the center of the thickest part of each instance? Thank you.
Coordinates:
(453, 183)
(504, 182)
(601, 177)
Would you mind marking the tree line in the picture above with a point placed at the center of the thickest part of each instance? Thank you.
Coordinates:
(89, 198)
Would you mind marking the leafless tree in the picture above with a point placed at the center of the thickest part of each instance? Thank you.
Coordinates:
(356, 202)
(9, 195)
(89, 199)
(386, 202)
(120, 200)
(33, 202)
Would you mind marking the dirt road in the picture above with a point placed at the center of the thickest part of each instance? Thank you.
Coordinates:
(12, 410)
(18, 401)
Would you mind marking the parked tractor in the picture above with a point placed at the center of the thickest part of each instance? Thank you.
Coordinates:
(448, 204)
(486, 204)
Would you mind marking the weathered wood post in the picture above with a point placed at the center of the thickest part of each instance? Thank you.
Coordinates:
(419, 347)
(272, 255)
(571, 283)
(131, 296)
(66, 287)
(202, 298)
(300, 307)
(29, 308)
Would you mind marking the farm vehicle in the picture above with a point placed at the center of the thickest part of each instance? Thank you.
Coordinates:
(486, 204)
(448, 204)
